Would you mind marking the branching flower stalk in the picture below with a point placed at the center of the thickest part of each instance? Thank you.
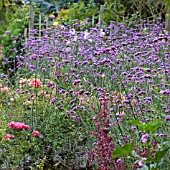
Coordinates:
(104, 146)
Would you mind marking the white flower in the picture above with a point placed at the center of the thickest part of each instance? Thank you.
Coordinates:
(73, 31)
(102, 32)
(90, 40)
(86, 34)
(63, 27)
(68, 42)
(75, 38)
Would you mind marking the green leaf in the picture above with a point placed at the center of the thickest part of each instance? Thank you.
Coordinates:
(121, 151)
(135, 122)
(81, 5)
(151, 126)
(148, 127)
(158, 156)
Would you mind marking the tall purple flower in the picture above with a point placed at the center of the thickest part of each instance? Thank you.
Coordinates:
(167, 118)
(145, 138)
(33, 57)
(54, 100)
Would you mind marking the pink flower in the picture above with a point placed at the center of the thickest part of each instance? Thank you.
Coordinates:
(35, 133)
(47, 96)
(35, 83)
(27, 127)
(18, 125)
(5, 89)
(8, 136)
(140, 163)
(11, 124)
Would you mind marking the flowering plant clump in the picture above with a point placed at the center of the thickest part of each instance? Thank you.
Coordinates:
(35, 83)
(103, 91)
(21, 140)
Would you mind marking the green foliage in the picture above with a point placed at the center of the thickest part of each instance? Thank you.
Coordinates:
(79, 11)
(91, 9)
(117, 10)
(17, 23)
(45, 6)
(167, 4)
(124, 150)
(113, 11)
(64, 4)
(8, 9)
(152, 126)
(158, 156)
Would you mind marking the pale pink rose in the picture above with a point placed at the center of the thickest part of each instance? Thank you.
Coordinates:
(35, 133)
(103, 76)
(5, 89)
(11, 99)
(35, 83)
(41, 93)
(0, 85)
(28, 102)
(47, 96)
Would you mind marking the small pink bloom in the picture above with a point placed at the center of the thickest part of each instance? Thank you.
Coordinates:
(35, 83)
(140, 163)
(47, 96)
(18, 125)
(5, 89)
(133, 102)
(11, 124)
(35, 133)
(8, 136)
(27, 127)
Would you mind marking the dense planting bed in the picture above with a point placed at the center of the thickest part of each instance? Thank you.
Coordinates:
(94, 99)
